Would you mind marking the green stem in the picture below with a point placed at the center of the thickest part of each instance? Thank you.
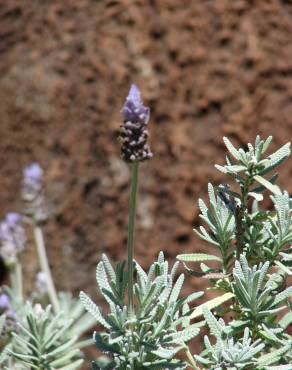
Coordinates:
(239, 217)
(131, 228)
(43, 260)
(191, 359)
(16, 281)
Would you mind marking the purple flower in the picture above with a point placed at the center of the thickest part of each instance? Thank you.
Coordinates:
(33, 173)
(41, 282)
(32, 181)
(13, 220)
(5, 303)
(134, 134)
(12, 238)
(32, 192)
(10, 323)
(134, 110)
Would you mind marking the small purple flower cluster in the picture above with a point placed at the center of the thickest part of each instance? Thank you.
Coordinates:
(41, 283)
(32, 192)
(12, 238)
(10, 315)
(32, 181)
(134, 133)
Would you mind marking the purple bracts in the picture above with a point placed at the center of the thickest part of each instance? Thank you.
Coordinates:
(5, 303)
(12, 238)
(32, 181)
(134, 133)
(10, 323)
(33, 192)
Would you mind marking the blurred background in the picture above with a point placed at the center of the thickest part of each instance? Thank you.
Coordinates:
(206, 69)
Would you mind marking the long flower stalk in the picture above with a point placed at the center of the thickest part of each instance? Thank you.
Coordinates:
(16, 281)
(43, 260)
(131, 231)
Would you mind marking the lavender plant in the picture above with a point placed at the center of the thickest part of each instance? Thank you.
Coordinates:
(147, 330)
(45, 333)
(148, 324)
(254, 261)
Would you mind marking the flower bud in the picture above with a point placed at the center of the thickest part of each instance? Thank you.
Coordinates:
(33, 192)
(12, 238)
(41, 283)
(133, 133)
(32, 181)
(10, 323)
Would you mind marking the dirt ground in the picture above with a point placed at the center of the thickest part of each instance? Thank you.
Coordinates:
(206, 69)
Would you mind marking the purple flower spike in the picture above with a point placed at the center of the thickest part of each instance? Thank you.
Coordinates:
(134, 110)
(134, 134)
(33, 173)
(33, 192)
(10, 323)
(5, 303)
(41, 282)
(13, 220)
(12, 238)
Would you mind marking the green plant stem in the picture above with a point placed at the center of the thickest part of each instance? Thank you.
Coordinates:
(191, 359)
(239, 217)
(43, 260)
(131, 229)
(16, 281)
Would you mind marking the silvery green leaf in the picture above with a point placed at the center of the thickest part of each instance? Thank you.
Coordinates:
(165, 353)
(277, 158)
(197, 257)
(272, 357)
(280, 297)
(222, 169)
(215, 327)
(267, 144)
(186, 335)
(212, 303)
(283, 268)
(92, 308)
(273, 188)
(258, 197)
(235, 168)
(108, 267)
(232, 150)
(286, 320)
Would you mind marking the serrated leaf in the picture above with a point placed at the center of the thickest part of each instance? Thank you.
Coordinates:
(286, 320)
(283, 268)
(273, 188)
(272, 357)
(232, 150)
(92, 308)
(213, 303)
(258, 197)
(197, 257)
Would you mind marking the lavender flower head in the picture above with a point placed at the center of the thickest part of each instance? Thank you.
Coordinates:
(10, 315)
(5, 303)
(32, 181)
(134, 133)
(12, 238)
(41, 283)
(33, 192)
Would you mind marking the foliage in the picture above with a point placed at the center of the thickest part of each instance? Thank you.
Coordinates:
(236, 225)
(33, 337)
(254, 261)
(41, 344)
(147, 323)
(228, 352)
(149, 337)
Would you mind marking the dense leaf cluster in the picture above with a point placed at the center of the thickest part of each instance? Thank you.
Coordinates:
(159, 327)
